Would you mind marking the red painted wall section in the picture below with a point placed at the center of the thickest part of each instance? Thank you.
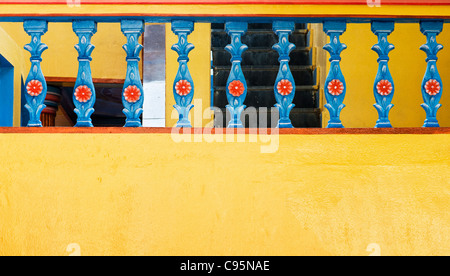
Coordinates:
(268, 2)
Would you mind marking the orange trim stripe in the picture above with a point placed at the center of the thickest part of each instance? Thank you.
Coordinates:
(295, 131)
(230, 2)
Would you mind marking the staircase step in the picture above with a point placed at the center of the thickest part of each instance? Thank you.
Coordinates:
(305, 97)
(258, 26)
(300, 117)
(262, 31)
(262, 56)
(258, 40)
(265, 68)
(264, 76)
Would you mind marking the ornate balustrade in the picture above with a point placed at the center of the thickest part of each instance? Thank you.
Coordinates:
(283, 19)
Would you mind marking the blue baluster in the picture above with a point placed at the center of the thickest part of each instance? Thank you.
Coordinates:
(284, 84)
(84, 91)
(335, 86)
(183, 87)
(384, 84)
(236, 84)
(432, 82)
(36, 86)
(133, 91)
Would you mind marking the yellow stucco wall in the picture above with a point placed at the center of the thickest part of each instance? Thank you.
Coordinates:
(133, 194)
(407, 65)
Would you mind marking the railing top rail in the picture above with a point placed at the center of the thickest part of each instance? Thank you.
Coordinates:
(234, 2)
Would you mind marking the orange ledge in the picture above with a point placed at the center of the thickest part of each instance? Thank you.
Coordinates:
(229, 2)
(295, 131)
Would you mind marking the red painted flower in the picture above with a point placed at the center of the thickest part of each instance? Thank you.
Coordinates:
(236, 88)
(132, 94)
(432, 87)
(183, 87)
(335, 87)
(83, 93)
(384, 87)
(284, 87)
(34, 88)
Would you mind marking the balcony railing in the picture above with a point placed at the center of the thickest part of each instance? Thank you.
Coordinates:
(382, 22)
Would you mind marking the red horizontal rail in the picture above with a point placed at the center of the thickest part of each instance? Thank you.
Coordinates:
(295, 131)
(231, 2)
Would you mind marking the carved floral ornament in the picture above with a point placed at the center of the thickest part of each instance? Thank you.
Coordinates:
(132, 94)
(236, 88)
(183, 87)
(34, 88)
(284, 87)
(83, 93)
(433, 87)
(384, 87)
(335, 87)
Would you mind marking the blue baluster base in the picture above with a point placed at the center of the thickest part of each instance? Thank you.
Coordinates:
(133, 123)
(335, 121)
(383, 124)
(335, 125)
(84, 124)
(235, 113)
(285, 123)
(235, 124)
(35, 120)
(34, 124)
(133, 116)
(184, 123)
(431, 122)
(183, 112)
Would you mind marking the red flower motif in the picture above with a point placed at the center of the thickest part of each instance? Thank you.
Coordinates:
(384, 87)
(236, 88)
(132, 94)
(183, 87)
(34, 88)
(83, 93)
(335, 87)
(284, 87)
(432, 87)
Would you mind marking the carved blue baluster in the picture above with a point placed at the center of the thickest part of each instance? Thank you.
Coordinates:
(432, 83)
(84, 91)
(384, 84)
(36, 86)
(284, 84)
(335, 87)
(236, 84)
(183, 87)
(133, 91)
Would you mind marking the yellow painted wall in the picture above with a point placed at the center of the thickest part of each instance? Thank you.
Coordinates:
(12, 52)
(200, 69)
(60, 60)
(144, 194)
(407, 66)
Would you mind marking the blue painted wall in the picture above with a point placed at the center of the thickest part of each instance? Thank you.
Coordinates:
(6, 93)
